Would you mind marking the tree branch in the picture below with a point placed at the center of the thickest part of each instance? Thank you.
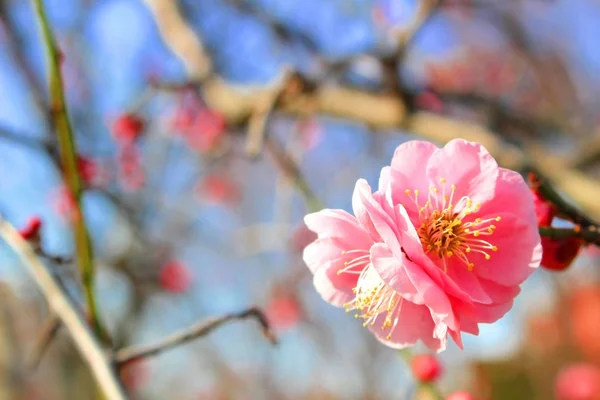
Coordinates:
(66, 141)
(62, 306)
(202, 328)
(47, 334)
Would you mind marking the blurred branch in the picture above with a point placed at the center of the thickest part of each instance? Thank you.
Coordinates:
(60, 304)
(406, 34)
(202, 328)
(257, 123)
(15, 46)
(565, 210)
(47, 334)
(289, 168)
(66, 141)
(180, 38)
(380, 111)
(589, 235)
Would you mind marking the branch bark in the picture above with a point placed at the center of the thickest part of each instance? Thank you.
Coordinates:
(60, 304)
(202, 328)
(66, 142)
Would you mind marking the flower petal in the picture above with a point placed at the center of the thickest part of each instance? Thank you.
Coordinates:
(340, 224)
(467, 165)
(333, 288)
(414, 323)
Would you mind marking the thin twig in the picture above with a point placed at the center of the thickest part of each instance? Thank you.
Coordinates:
(290, 169)
(63, 307)
(590, 235)
(47, 334)
(257, 123)
(201, 328)
(66, 141)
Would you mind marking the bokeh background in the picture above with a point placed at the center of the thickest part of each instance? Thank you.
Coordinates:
(205, 130)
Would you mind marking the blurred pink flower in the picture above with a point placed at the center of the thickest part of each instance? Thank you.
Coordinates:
(31, 230)
(130, 172)
(283, 311)
(442, 246)
(578, 382)
(126, 128)
(460, 396)
(175, 277)
(426, 367)
(558, 254)
(310, 133)
(200, 126)
(135, 374)
(218, 188)
(63, 201)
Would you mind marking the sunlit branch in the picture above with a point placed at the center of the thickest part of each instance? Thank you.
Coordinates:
(64, 309)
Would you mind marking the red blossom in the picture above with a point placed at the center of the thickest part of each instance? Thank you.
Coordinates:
(578, 382)
(31, 230)
(283, 311)
(64, 202)
(130, 172)
(201, 126)
(310, 133)
(584, 314)
(88, 169)
(460, 396)
(175, 277)
(135, 373)
(127, 128)
(217, 189)
(429, 101)
(426, 368)
(558, 254)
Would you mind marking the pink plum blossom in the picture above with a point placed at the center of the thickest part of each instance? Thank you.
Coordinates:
(442, 246)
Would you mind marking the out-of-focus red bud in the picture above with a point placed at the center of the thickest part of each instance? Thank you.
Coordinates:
(558, 254)
(426, 367)
(578, 382)
(31, 230)
(127, 128)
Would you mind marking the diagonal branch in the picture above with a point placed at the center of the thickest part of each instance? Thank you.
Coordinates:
(65, 310)
(202, 328)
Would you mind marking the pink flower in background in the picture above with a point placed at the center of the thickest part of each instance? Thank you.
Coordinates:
(460, 396)
(127, 128)
(578, 382)
(130, 172)
(558, 254)
(135, 374)
(201, 126)
(441, 246)
(426, 367)
(175, 277)
(283, 311)
(219, 189)
(63, 202)
(31, 230)
(310, 133)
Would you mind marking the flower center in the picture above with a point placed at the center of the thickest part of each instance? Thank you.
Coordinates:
(374, 297)
(445, 233)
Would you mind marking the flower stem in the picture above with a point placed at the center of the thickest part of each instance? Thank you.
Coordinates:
(66, 141)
